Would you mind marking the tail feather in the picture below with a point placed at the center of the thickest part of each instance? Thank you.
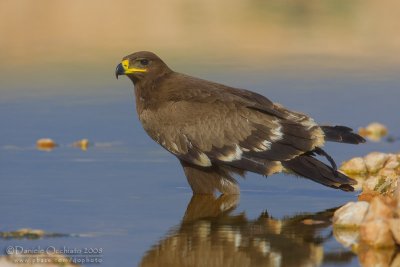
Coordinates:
(311, 168)
(342, 134)
(322, 152)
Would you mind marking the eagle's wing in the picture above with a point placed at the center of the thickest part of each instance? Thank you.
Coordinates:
(231, 127)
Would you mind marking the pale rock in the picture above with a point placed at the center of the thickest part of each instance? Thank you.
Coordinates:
(82, 144)
(386, 182)
(367, 195)
(350, 215)
(376, 233)
(377, 128)
(396, 196)
(27, 231)
(378, 209)
(346, 237)
(354, 166)
(371, 183)
(395, 228)
(45, 144)
(392, 162)
(390, 173)
(370, 257)
(374, 131)
(375, 161)
(360, 181)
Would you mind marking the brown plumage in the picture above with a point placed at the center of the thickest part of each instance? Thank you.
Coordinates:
(217, 131)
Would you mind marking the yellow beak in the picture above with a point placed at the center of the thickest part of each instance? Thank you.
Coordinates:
(123, 68)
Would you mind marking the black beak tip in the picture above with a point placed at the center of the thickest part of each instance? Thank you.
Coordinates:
(119, 70)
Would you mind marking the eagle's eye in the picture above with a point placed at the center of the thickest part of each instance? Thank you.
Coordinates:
(144, 62)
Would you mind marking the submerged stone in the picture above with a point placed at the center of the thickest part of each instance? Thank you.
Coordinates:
(374, 131)
(376, 171)
(354, 166)
(371, 257)
(45, 144)
(347, 237)
(380, 208)
(375, 161)
(394, 225)
(82, 144)
(350, 215)
(376, 233)
(26, 233)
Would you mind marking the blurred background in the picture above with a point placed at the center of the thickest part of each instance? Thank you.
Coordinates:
(63, 41)
(336, 60)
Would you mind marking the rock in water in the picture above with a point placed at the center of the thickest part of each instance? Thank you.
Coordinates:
(376, 233)
(350, 215)
(45, 144)
(354, 166)
(374, 131)
(375, 161)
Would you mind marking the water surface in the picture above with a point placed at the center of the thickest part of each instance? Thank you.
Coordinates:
(129, 197)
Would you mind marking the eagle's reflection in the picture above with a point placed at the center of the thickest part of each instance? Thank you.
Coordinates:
(212, 235)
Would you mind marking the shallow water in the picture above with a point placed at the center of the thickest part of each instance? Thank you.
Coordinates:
(129, 197)
(335, 60)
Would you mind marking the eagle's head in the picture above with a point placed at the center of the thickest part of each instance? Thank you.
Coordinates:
(142, 65)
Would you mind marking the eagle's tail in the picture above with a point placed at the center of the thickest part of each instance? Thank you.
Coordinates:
(341, 134)
(307, 166)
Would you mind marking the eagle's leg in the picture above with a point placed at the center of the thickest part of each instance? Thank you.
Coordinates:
(208, 180)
